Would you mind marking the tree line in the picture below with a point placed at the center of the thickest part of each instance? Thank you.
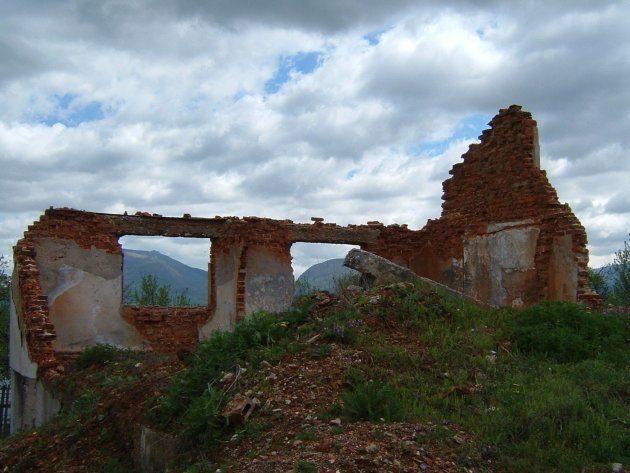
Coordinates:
(616, 289)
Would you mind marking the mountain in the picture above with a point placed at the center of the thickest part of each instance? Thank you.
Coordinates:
(167, 270)
(323, 276)
(609, 274)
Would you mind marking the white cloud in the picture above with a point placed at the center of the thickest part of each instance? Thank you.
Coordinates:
(186, 125)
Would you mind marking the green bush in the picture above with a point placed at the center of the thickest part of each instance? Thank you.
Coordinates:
(567, 333)
(100, 354)
(5, 289)
(192, 398)
(203, 420)
(305, 467)
(551, 417)
(620, 293)
(342, 282)
(373, 401)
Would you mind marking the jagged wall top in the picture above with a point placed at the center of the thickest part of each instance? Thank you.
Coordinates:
(500, 178)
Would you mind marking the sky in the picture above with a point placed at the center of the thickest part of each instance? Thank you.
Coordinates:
(343, 109)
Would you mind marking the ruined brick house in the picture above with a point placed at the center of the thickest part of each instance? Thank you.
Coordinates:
(503, 238)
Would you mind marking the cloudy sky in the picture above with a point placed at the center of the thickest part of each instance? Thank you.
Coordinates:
(344, 109)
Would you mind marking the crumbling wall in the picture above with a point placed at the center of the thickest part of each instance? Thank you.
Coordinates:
(503, 237)
(54, 257)
(54, 294)
(166, 329)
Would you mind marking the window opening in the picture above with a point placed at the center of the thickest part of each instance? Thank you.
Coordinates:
(319, 267)
(165, 271)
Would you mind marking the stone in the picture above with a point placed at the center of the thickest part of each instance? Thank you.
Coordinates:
(376, 270)
(239, 409)
(371, 448)
(379, 271)
(325, 445)
(154, 450)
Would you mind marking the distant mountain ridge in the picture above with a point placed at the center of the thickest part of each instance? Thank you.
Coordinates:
(177, 275)
(609, 274)
(181, 277)
(323, 276)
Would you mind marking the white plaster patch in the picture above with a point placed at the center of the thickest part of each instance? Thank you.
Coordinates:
(497, 227)
(67, 278)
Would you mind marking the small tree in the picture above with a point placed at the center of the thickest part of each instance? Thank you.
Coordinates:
(621, 269)
(153, 293)
(599, 283)
(5, 288)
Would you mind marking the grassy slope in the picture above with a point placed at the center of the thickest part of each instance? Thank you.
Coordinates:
(416, 380)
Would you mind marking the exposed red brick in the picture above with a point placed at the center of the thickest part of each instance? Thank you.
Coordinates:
(167, 329)
(497, 181)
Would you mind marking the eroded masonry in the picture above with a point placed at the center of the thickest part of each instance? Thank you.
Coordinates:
(503, 238)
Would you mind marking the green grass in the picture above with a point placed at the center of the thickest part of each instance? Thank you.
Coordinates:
(567, 333)
(194, 399)
(545, 389)
(305, 467)
(555, 400)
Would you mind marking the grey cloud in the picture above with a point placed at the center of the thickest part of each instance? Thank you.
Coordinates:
(619, 204)
(320, 15)
(179, 141)
(17, 59)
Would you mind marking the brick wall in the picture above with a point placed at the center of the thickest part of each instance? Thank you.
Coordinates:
(167, 329)
(499, 180)
(87, 230)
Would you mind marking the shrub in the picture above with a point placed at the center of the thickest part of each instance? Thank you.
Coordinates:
(203, 420)
(621, 269)
(373, 401)
(192, 399)
(567, 332)
(100, 354)
(305, 467)
(342, 282)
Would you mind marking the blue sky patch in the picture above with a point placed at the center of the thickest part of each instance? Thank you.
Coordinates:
(374, 37)
(350, 174)
(302, 62)
(468, 128)
(481, 32)
(72, 115)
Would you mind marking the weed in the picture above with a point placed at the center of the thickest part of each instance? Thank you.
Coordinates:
(342, 282)
(342, 327)
(373, 401)
(193, 398)
(252, 429)
(338, 429)
(100, 354)
(203, 420)
(568, 333)
(201, 467)
(306, 435)
(322, 351)
(114, 465)
(341, 333)
(299, 312)
(305, 467)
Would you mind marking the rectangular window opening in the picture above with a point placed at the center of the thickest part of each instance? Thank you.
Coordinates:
(319, 267)
(165, 271)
